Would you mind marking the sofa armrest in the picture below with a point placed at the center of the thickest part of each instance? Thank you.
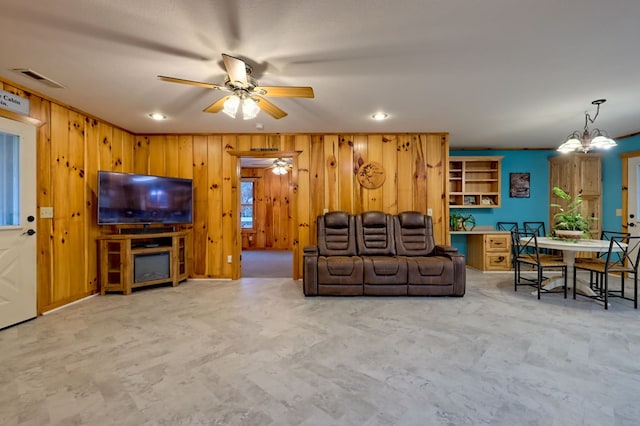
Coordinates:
(459, 267)
(311, 251)
(310, 271)
(445, 250)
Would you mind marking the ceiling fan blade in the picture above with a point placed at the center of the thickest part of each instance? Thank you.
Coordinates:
(236, 68)
(191, 82)
(217, 105)
(270, 108)
(285, 91)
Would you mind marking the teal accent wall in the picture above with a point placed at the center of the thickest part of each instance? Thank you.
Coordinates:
(536, 207)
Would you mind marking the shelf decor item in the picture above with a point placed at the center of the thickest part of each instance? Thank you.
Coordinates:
(460, 222)
(569, 222)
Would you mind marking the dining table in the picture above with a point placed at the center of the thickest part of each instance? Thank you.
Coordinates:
(569, 248)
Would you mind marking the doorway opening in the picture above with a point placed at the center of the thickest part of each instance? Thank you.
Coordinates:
(266, 212)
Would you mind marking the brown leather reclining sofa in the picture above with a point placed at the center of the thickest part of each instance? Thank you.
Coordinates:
(375, 253)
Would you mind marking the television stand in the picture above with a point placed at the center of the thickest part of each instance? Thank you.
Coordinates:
(129, 261)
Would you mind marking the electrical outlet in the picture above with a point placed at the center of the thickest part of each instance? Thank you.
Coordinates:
(229, 259)
(46, 212)
(325, 211)
(429, 212)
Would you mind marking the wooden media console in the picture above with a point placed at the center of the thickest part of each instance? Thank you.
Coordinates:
(129, 261)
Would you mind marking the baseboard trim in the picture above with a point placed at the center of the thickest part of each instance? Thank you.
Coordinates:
(71, 303)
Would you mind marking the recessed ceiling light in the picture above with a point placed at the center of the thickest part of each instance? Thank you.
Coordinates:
(380, 116)
(158, 116)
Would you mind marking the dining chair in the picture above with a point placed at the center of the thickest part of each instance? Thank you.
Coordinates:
(595, 279)
(528, 253)
(540, 229)
(537, 227)
(506, 226)
(621, 259)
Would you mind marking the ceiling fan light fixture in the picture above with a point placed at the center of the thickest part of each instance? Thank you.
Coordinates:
(243, 89)
(231, 106)
(280, 167)
(249, 109)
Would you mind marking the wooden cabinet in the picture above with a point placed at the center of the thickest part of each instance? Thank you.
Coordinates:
(578, 173)
(489, 251)
(474, 182)
(129, 261)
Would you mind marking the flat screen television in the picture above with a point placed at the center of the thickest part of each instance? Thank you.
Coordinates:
(126, 198)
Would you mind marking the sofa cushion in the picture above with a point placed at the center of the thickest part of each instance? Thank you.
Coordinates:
(384, 270)
(345, 270)
(432, 270)
(413, 234)
(336, 234)
(374, 234)
(338, 265)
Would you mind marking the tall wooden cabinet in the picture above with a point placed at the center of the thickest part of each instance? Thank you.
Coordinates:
(576, 172)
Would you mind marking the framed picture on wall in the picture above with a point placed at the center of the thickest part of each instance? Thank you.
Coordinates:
(519, 185)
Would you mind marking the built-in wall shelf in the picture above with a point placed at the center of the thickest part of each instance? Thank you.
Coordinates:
(474, 182)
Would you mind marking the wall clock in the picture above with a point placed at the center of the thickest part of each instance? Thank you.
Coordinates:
(371, 175)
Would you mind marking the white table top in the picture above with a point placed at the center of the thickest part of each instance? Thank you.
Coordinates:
(575, 245)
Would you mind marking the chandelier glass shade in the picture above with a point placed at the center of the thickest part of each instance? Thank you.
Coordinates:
(588, 139)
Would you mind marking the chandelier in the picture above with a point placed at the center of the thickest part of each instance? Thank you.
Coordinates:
(588, 139)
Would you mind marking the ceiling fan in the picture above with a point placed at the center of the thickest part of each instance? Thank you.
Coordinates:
(244, 89)
(281, 166)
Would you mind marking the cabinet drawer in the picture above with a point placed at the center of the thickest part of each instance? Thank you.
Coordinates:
(497, 242)
(498, 261)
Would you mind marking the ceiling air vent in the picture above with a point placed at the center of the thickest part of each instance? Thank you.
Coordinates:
(39, 77)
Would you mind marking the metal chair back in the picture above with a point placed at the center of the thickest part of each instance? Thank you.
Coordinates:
(507, 226)
(537, 227)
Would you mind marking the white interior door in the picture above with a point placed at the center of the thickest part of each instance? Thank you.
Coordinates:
(17, 222)
(633, 209)
(632, 203)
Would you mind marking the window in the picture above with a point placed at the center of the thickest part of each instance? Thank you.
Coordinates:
(246, 203)
(9, 179)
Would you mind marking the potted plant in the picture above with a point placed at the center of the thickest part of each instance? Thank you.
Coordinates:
(569, 221)
(460, 222)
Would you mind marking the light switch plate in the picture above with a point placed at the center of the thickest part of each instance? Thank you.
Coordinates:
(429, 212)
(46, 212)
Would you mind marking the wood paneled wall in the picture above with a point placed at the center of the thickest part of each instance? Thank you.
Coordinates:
(73, 146)
(324, 177)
